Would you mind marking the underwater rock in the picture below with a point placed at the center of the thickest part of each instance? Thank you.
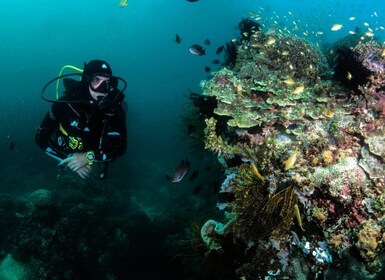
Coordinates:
(371, 164)
(40, 198)
(341, 180)
(368, 238)
(376, 145)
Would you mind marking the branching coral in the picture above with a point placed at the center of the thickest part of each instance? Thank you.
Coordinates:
(216, 143)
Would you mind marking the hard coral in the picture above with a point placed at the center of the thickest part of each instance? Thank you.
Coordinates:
(368, 237)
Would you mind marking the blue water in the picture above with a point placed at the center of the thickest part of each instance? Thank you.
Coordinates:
(39, 37)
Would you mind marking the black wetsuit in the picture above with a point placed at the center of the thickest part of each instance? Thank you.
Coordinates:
(82, 127)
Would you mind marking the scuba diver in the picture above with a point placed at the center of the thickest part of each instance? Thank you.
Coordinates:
(88, 123)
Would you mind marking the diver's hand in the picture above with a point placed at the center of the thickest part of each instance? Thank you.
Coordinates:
(78, 163)
(84, 171)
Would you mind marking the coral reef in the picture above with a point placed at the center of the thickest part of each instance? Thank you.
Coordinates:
(304, 157)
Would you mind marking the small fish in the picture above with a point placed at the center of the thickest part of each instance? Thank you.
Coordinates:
(254, 169)
(369, 34)
(12, 145)
(289, 81)
(336, 27)
(290, 162)
(352, 18)
(270, 41)
(285, 53)
(178, 39)
(297, 215)
(215, 61)
(383, 53)
(349, 76)
(299, 89)
(197, 50)
(207, 69)
(192, 0)
(180, 171)
(123, 3)
(194, 175)
(352, 32)
(207, 42)
(219, 49)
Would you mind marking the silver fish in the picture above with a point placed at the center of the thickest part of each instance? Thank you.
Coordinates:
(180, 171)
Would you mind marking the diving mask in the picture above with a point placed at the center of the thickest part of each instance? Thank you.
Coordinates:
(100, 84)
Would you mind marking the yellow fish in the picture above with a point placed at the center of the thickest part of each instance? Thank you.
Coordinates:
(123, 3)
(289, 163)
(349, 76)
(270, 41)
(336, 27)
(299, 89)
(289, 81)
(297, 215)
(383, 53)
(256, 172)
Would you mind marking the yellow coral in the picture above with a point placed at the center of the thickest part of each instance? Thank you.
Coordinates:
(318, 213)
(328, 156)
(336, 240)
(368, 238)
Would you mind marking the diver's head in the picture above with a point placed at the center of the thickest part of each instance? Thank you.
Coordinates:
(97, 74)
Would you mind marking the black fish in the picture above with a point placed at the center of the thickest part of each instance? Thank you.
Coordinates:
(194, 175)
(197, 189)
(192, 0)
(215, 61)
(219, 49)
(12, 145)
(197, 50)
(207, 69)
(178, 39)
(207, 42)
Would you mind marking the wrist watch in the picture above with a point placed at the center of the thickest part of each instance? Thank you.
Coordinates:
(90, 156)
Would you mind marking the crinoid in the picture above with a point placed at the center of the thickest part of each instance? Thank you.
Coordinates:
(260, 215)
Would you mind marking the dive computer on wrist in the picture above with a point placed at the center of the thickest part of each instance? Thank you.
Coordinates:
(90, 156)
